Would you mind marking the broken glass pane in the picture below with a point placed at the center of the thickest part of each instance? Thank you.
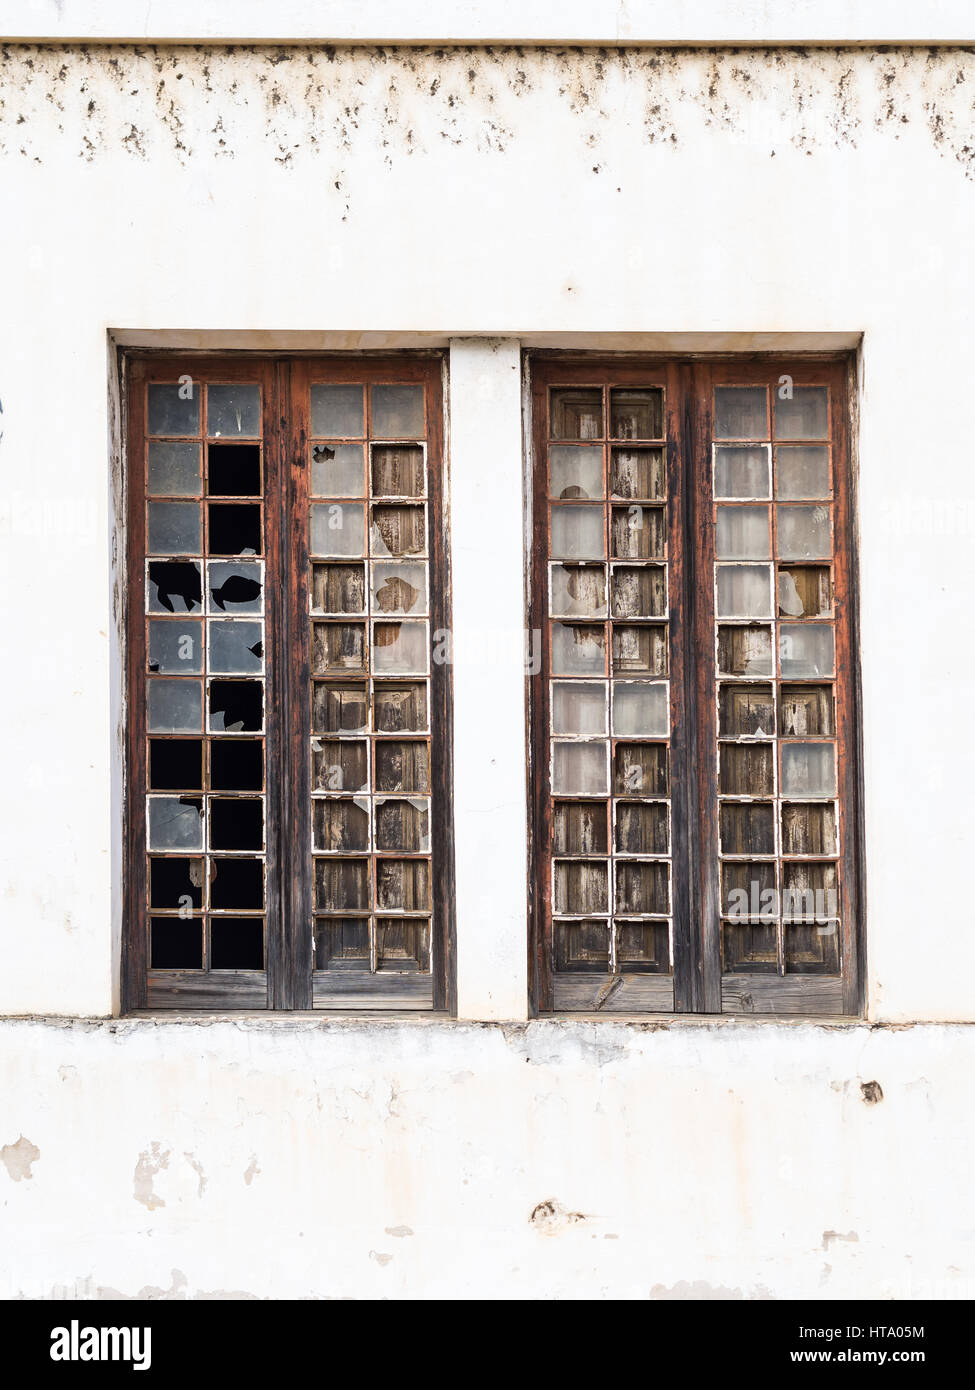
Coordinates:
(399, 588)
(400, 648)
(235, 586)
(174, 586)
(236, 706)
(175, 822)
(338, 470)
(236, 646)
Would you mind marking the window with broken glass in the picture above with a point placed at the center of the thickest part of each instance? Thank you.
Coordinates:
(694, 733)
(287, 787)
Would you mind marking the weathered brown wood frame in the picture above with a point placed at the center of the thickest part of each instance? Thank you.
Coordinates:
(689, 383)
(287, 983)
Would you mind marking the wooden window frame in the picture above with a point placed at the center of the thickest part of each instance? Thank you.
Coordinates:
(290, 983)
(698, 984)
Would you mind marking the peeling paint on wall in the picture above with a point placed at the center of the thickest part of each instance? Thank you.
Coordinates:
(194, 105)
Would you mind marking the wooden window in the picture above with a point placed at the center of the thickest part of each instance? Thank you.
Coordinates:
(694, 735)
(287, 791)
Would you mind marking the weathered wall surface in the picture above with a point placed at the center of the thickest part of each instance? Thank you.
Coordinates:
(333, 198)
(455, 1160)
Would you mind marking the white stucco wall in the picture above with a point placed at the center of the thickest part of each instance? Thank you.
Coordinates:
(346, 198)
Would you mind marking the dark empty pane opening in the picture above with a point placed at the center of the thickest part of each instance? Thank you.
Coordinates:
(237, 943)
(234, 529)
(236, 765)
(236, 823)
(237, 884)
(176, 883)
(236, 706)
(233, 470)
(175, 943)
(176, 764)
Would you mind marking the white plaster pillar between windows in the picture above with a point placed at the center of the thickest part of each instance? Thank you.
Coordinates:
(487, 520)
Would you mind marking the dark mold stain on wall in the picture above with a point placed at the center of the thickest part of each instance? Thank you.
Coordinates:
(289, 105)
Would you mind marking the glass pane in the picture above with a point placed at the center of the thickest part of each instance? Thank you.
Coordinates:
(398, 471)
(579, 708)
(744, 591)
(402, 825)
(400, 708)
(745, 651)
(746, 710)
(399, 648)
(399, 587)
(174, 409)
(578, 650)
(338, 588)
(236, 646)
(337, 529)
(642, 887)
(174, 586)
(575, 471)
(175, 822)
(397, 531)
(806, 649)
(581, 887)
(741, 471)
(802, 470)
(642, 827)
(175, 648)
(235, 586)
(806, 710)
(805, 591)
(577, 412)
(639, 473)
(740, 412)
(578, 591)
(340, 826)
(397, 412)
(337, 412)
(639, 533)
(580, 769)
(174, 528)
(636, 414)
(639, 591)
(233, 410)
(339, 708)
(803, 533)
(338, 470)
(808, 769)
(578, 533)
(579, 827)
(742, 533)
(805, 416)
(174, 470)
(641, 708)
(639, 650)
(175, 707)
